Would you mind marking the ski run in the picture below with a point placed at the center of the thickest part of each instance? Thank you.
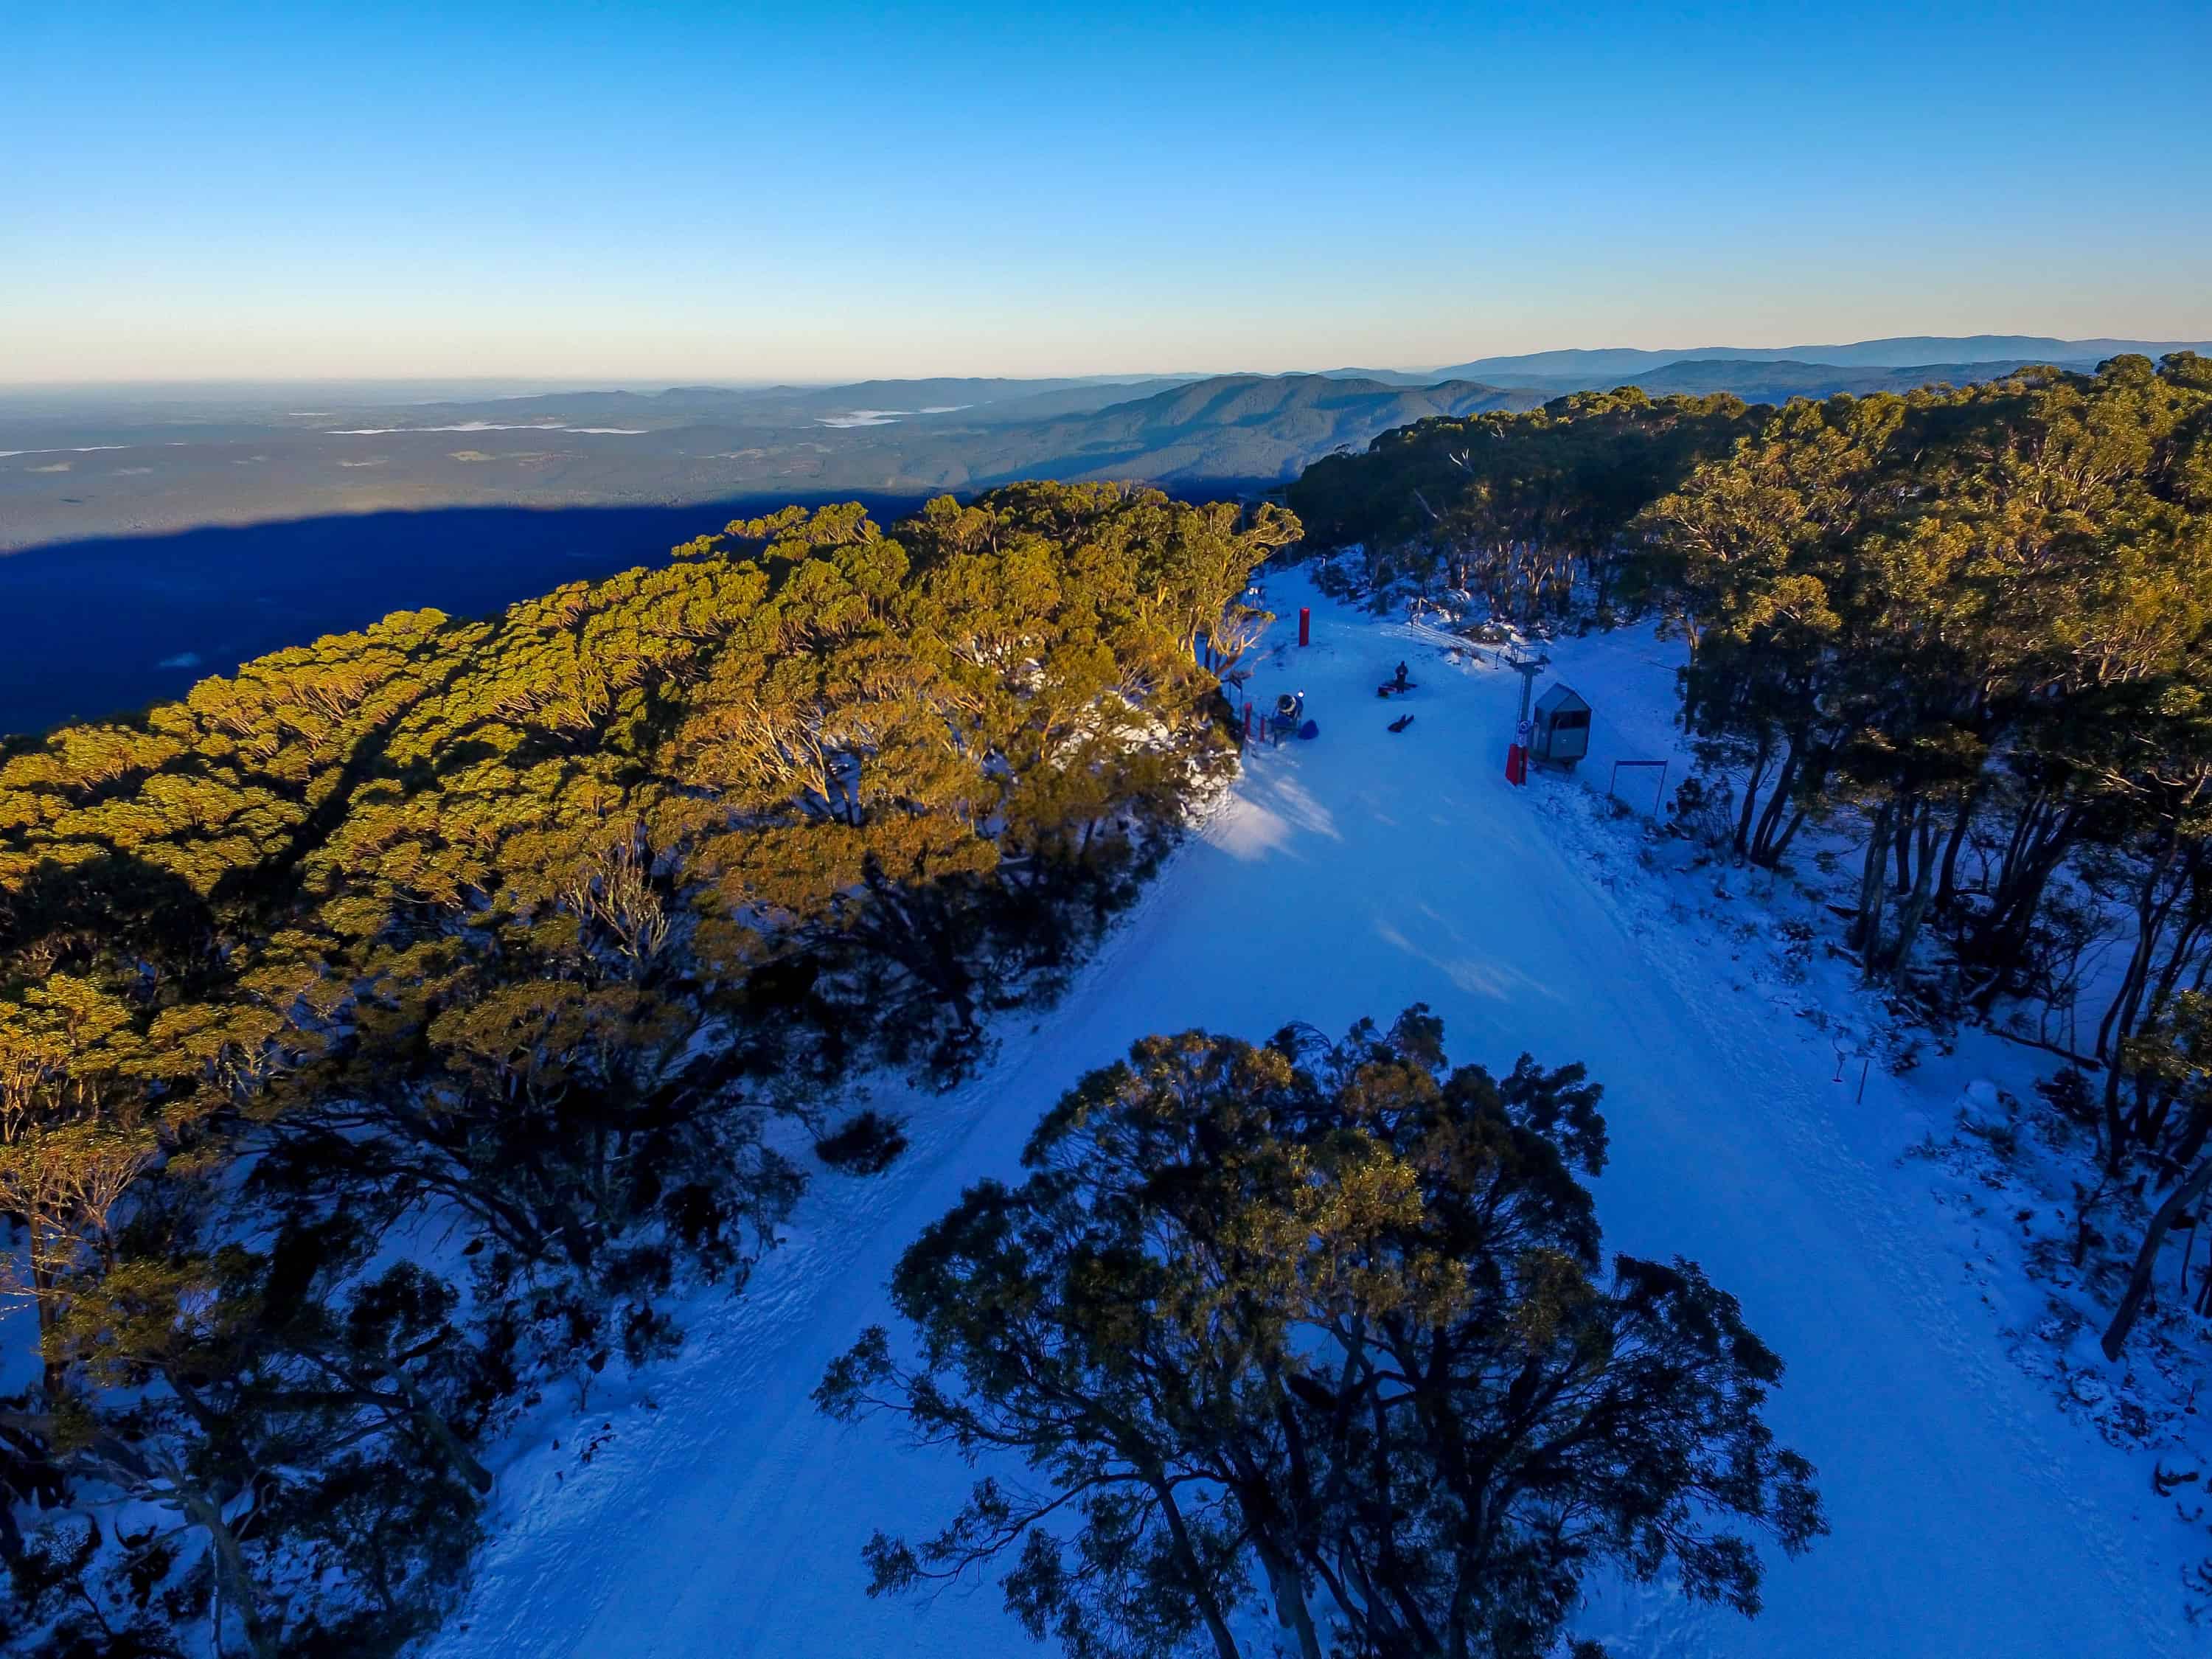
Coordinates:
(705, 1508)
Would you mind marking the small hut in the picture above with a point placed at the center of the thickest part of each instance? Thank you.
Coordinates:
(1561, 729)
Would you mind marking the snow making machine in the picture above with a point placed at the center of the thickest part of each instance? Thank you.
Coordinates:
(1561, 727)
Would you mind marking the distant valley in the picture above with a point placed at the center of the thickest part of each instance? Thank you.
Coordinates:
(68, 472)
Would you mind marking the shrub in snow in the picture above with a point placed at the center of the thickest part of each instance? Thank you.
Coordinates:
(868, 1143)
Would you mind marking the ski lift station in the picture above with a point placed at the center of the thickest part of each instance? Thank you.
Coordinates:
(1561, 729)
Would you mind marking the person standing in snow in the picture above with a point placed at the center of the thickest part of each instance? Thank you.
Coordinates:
(1402, 676)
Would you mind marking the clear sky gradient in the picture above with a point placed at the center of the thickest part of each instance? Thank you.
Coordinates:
(813, 190)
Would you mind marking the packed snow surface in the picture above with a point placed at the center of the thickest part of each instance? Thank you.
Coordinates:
(713, 1511)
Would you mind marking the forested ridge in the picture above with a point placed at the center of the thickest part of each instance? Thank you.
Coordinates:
(1966, 634)
(1528, 511)
(389, 1030)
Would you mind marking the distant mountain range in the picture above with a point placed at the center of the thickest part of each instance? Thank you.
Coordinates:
(1232, 429)
(994, 401)
(97, 464)
(1762, 371)
(1759, 379)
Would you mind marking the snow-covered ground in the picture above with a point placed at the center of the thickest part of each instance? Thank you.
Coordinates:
(717, 1513)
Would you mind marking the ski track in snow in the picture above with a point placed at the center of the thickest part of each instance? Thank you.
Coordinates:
(1350, 876)
(1761, 1047)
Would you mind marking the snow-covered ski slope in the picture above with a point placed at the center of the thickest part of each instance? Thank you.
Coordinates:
(1353, 875)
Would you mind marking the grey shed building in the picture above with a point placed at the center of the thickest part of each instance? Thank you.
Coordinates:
(1559, 734)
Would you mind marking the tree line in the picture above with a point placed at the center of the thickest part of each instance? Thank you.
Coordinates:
(1969, 631)
(390, 1029)
(1527, 512)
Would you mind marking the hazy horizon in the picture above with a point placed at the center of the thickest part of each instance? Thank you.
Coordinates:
(988, 367)
(494, 385)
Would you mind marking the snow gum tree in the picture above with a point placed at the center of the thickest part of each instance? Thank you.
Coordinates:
(1328, 1324)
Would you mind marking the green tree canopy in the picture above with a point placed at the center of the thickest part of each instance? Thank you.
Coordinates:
(1329, 1321)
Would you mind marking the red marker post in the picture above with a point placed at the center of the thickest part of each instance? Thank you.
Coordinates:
(1306, 624)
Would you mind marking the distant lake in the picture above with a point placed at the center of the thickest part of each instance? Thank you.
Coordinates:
(101, 627)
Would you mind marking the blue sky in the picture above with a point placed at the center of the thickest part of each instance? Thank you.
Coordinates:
(818, 190)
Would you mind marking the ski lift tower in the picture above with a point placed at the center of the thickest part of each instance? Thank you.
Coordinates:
(1516, 756)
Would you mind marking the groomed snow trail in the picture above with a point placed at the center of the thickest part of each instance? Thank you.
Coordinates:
(1350, 876)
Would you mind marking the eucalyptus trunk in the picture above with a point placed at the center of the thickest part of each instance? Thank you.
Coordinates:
(1866, 936)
